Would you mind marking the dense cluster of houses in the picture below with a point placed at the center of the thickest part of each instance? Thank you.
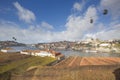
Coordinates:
(87, 45)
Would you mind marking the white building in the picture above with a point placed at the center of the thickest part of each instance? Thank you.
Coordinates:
(49, 53)
(38, 53)
(105, 45)
(43, 54)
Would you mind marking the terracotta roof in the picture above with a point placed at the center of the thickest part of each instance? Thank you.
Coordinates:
(53, 52)
(37, 51)
(61, 55)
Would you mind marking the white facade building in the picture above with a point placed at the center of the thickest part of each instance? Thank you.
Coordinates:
(38, 53)
(105, 45)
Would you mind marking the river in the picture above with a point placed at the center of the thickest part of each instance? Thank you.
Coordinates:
(68, 53)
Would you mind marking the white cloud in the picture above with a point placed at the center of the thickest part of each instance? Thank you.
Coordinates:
(77, 25)
(24, 14)
(113, 6)
(33, 34)
(77, 6)
(46, 26)
(113, 32)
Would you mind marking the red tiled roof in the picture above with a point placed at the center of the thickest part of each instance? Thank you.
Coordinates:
(50, 51)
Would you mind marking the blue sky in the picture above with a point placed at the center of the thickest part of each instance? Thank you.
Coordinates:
(54, 12)
(36, 21)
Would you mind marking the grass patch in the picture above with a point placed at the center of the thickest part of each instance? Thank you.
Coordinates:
(21, 65)
(42, 61)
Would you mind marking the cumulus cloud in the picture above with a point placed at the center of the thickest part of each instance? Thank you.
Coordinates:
(46, 25)
(113, 6)
(24, 14)
(77, 6)
(113, 32)
(76, 27)
(33, 34)
(84, 29)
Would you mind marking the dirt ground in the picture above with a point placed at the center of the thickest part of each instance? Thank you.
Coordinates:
(76, 68)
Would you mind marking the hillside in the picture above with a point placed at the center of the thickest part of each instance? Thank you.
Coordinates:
(10, 43)
(75, 68)
(15, 63)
